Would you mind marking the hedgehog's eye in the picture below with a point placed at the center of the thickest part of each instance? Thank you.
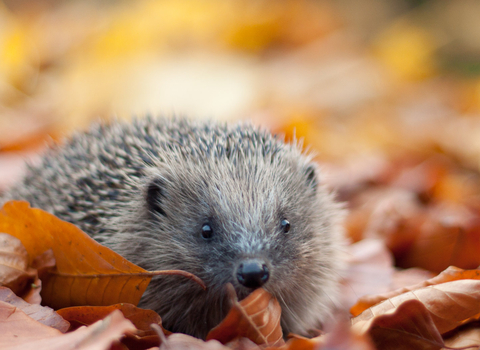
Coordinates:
(207, 232)
(285, 225)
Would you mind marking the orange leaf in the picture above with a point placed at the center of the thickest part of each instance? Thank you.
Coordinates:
(452, 273)
(450, 305)
(80, 260)
(86, 273)
(256, 317)
(298, 342)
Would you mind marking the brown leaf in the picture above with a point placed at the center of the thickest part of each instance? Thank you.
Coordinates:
(20, 332)
(448, 236)
(465, 338)
(42, 314)
(256, 317)
(410, 277)
(17, 328)
(343, 338)
(14, 271)
(370, 270)
(450, 274)
(421, 224)
(450, 305)
(87, 315)
(87, 273)
(143, 338)
(410, 326)
(392, 214)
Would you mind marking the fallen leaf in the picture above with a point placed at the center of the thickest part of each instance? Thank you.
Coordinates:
(407, 49)
(370, 270)
(87, 315)
(342, 337)
(450, 305)
(20, 332)
(17, 328)
(14, 271)
(450, 274)
(409, 277)
(142, 319)
(392, 214)
(86, 272)
(297, 342)
(448, 236)
(410, 326)
(256, 317)
(42, 314)
(468, 338)
(431, 236)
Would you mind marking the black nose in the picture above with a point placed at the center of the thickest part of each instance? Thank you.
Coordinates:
(252, 273)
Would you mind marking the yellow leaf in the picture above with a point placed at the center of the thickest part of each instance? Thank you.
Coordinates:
(408, 50)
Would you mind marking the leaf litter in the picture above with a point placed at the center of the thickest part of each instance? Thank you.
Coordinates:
(413, 186)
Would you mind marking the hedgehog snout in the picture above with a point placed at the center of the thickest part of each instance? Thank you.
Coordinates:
(252, 273)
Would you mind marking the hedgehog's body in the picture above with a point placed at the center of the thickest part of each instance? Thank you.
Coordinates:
(226, 203)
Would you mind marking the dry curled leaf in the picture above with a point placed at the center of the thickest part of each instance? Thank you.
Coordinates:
(18, 328)
(452, 273)
(256, 317)
(450, 305)
(410, 326)
(86, 272)
(87, 315)
(465, 338)
(142, 319)
(22, 332)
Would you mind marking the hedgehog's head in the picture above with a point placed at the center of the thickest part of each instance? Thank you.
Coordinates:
(246, 210)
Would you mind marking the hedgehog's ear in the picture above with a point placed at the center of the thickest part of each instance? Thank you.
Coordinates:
(155, 195)
(311, 175)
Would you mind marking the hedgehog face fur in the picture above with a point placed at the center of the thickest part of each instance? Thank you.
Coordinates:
(226, 203)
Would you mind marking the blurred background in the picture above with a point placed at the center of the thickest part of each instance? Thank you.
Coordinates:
(386, 93)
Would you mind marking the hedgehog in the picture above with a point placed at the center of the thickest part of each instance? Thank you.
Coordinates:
(229, 203)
